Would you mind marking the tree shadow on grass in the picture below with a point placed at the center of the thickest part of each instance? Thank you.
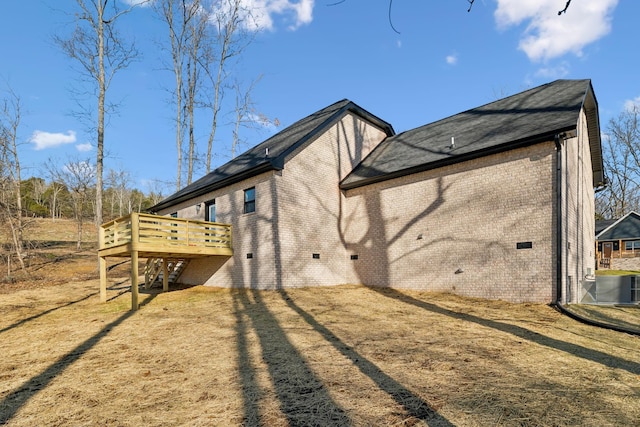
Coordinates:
(412, 403)
(304, 400)
(246, 370)
(44, 313)
(523, 333)
(51, 310)
(16, 399)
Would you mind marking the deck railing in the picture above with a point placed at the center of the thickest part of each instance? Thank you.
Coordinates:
(144, 230)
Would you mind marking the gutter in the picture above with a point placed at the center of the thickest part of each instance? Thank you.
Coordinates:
(559, 264)
(269, 165)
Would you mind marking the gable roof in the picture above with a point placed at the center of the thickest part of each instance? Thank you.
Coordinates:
(273, 152)
(627, 227)
(528, 117)
(601, 224)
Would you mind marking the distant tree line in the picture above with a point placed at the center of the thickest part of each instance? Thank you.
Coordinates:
(55, 199)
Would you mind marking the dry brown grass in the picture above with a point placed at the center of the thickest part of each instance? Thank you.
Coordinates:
(51, 256)
(625, 316)
(347, 355)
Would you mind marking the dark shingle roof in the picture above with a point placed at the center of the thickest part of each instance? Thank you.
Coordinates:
(627, 227)
(602, 224)
(280, 146)
(521, 119)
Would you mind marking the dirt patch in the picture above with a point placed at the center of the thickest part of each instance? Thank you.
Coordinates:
(346, 355)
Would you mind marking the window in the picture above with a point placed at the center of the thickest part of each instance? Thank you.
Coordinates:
(630, 245)
(210, 211)
(250, 200)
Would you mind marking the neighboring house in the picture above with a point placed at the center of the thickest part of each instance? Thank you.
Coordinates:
(495, 202)
(618, 242)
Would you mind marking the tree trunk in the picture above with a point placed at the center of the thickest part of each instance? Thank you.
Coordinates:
(101, 99)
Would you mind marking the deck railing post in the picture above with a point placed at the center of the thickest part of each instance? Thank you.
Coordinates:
(135, 229)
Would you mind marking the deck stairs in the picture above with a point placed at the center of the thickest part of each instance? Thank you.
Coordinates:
(153, 272)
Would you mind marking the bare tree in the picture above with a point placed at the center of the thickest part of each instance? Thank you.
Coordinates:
(245, 113)
(178, 15)
(229, 41)
(205, 36)
(156, 191)
(101, 53)
(79, 177)
(10, 172)
(54, 190)
(119, 182)
(622, 166)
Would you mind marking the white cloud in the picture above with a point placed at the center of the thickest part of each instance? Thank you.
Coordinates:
(452, 59)
(43, 140)
(84, 147)
(632, 104)
(549, 35)
(259, 14)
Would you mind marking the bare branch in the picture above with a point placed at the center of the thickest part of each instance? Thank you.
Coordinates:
(566, 6)
(470, 5)
(390, 22)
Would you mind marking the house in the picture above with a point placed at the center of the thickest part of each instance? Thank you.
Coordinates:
(618, 242)
(494, 202)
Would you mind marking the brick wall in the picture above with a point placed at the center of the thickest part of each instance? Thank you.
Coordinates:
(483, 228)
(298, 212)
(457, 228)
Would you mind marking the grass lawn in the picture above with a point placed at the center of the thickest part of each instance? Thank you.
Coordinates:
(348, 355)
(606, 272)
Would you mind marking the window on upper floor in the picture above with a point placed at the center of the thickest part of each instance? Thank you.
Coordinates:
(250, 200)
(210, 211)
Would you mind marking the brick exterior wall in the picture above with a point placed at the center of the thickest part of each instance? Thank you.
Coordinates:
(457, 228)
(297, 214)
(454, 229)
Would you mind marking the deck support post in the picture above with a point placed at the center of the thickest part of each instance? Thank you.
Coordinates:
(102, 265)
(134, 280)
(165, 275)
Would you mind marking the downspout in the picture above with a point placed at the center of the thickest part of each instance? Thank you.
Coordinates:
(559, 242)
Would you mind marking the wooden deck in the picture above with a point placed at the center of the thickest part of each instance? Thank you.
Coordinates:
(150, 236)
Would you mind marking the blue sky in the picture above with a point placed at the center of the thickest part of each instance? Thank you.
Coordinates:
(310, 54)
